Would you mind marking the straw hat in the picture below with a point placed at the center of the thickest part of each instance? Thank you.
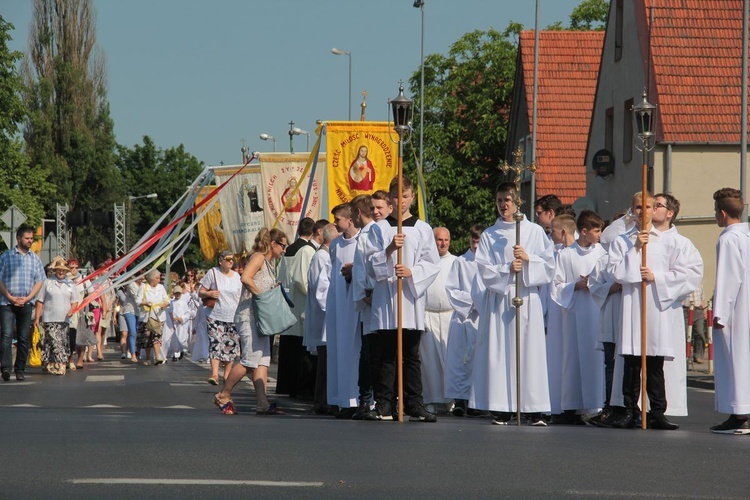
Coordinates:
(59, 264)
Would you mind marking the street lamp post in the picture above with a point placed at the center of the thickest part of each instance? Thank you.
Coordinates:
(340, 52)
(401, 106)
(643, 114)
(131, 199)
(419, 4)
(266, 137)
(299, 131)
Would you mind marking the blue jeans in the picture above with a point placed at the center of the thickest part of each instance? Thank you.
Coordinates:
(132, 323)
(18, 319)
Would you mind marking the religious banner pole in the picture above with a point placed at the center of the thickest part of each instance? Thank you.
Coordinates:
(643, 115)
(518, 168)
(401, 107)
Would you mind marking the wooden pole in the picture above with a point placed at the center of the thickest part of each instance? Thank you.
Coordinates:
(400, 287)
(644, 221)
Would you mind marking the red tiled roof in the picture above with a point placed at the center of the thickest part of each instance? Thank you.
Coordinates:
(696, 48)
(568, 71)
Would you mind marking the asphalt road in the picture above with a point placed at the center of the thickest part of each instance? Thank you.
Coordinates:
(122, 431)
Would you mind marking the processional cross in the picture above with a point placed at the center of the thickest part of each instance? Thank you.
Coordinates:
(518, 168)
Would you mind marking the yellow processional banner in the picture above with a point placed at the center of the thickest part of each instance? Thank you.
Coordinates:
(362, 158)
(210, 232)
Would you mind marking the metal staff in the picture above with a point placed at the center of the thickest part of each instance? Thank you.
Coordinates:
(518, 167)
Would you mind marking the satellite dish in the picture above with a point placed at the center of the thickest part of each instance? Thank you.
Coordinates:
(583, 203)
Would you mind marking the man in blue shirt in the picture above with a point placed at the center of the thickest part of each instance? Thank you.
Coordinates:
(21, 277)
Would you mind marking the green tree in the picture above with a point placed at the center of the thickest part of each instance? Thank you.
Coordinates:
(19, 185)
(69, 133)
(590, 15)
(145, 168)
(467, 98)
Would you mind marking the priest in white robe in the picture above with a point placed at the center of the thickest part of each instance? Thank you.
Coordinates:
(501, 260)
(732, 314)
(438, 313)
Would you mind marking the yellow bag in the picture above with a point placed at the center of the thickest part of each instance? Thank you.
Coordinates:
(35, 350)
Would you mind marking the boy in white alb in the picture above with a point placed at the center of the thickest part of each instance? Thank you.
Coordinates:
(583, 364)
(732, 314)
(419, 268)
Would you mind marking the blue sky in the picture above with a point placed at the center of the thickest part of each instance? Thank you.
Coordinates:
(208, 74)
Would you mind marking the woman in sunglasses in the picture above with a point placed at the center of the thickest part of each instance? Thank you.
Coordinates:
(223, 285)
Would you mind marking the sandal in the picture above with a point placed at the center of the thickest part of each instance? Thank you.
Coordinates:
(271, 410)
(213, 380)
(227, 408)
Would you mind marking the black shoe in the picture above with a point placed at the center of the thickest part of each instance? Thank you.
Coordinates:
(732, 425)
(371, 416)
(536, 420)
(626, 422)
(502, 417)
(361, 410)
(420, 414)
(567, 418)
(460, 407)
(6, 375)
(346, 413)
(472, 412)
(384, 412)
(321, 410)
(660, 422)
(19, 376)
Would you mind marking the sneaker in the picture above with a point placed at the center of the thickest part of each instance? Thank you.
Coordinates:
(420, 414)
(536, 420)
(384, 412)
(6, 375)
(160, 361)
(732, 425)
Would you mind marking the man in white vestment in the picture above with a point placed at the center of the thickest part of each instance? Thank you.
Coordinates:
(438, 312)
(732, 314)
(295, 374)
(462, 333)
(582, 389)
(673, 270)
(318, 282)
(419, 267)
(501, 260)
(342, 339)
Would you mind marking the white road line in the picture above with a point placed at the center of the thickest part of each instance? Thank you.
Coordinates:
(22, 406)
(104, 378)
(176, 407)
(698, 389)
(101, 406)
(204, 482)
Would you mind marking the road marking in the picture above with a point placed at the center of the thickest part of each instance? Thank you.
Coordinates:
(177, 407)
(23, 406)
(101, 406)
(104, 378)
(16, 384)
(199, 482)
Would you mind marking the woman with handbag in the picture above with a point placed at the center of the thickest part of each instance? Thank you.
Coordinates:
(55, 303)
(153, 299)
(220, 291)
(258, 276)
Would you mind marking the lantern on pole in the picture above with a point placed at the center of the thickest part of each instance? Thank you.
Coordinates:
(644, 114)
(401, 107)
